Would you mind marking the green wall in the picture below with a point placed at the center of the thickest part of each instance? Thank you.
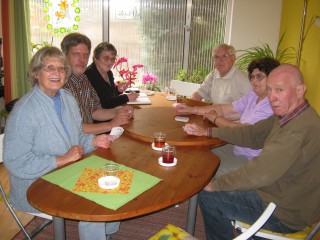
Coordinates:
(291, 18)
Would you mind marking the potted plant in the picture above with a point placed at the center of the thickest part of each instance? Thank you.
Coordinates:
(197, 76)
(250, 54)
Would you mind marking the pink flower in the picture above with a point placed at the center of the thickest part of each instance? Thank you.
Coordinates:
(125, 73)
(149, 77)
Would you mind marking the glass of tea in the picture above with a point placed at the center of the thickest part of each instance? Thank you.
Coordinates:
(168, 154)
(159, 139)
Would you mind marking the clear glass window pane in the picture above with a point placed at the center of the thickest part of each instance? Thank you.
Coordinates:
(150, 33)
(208, 30)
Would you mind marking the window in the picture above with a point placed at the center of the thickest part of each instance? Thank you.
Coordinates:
(163, 35)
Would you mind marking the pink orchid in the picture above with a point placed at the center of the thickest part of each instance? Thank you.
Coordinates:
(149, 77)
(125, 73)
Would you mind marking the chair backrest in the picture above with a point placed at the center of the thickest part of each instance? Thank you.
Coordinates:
(184, 88)
(258, 224)
(1, 147)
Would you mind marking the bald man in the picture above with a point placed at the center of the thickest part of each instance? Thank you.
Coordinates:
(286, 172)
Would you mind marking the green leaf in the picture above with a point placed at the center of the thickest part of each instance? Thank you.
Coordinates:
(248, 55)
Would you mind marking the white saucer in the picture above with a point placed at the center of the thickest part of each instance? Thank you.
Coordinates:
(172, 98)
(167, 164)
(157, 149)
(109, 182)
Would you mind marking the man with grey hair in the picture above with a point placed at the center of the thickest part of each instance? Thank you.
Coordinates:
(226, 83)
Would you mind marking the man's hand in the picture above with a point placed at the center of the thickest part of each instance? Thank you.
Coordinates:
(120, 119)
(194, 129)
(126, 109)
(196, 96)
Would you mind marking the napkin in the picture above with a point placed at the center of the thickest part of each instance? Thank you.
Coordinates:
(116, 132)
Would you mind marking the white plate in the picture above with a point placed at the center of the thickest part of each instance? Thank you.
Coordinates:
(167, 164)
(109, 182)
(157, 149)
(172, 98)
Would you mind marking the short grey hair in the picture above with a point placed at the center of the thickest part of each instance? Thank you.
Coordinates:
(231, 50)
(104, 46)
(40, 57)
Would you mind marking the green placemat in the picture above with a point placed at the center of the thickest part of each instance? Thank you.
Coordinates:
(68, 176)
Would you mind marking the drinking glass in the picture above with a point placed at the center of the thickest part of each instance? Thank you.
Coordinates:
(159, 139)
(168, 154)
(110, 170)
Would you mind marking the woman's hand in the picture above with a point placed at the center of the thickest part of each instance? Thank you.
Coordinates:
(74, 154)
(211, 116)
(194, 129)
(103, 141)
(122, 86)
(133, 96)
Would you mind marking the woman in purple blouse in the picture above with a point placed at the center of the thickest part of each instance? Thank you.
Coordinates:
(249, 109)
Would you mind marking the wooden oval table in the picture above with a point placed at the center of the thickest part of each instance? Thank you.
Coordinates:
(162, 119)
(195, 168)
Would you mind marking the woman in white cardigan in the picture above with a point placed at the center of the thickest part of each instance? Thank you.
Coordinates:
(44, 130)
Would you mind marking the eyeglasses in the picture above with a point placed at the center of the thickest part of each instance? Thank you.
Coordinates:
(258, 76)
(52, 69)
(108, 59)
(221, 58)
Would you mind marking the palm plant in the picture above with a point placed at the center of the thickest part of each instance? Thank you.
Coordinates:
(250, 54)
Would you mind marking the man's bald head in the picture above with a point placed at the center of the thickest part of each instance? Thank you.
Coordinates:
(286, 89)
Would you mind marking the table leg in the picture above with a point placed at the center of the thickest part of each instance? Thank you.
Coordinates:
(192, 214)
(59, 228)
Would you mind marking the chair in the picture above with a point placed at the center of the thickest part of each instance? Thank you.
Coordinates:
(3, 115)
(11, 209)
(184, 88)
(253, 230)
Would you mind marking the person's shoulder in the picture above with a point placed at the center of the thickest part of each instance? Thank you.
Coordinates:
(25, 105)
(65, 93)
(90, 70)
(68, 96)
(239, 73)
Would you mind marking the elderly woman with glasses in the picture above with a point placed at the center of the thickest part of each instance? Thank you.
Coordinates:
(249, 109)
(101, 77)
(44, 130)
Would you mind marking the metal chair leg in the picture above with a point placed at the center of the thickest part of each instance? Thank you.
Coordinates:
(10, 208)
(13, 213)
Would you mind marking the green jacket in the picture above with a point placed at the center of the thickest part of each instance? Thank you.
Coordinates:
(287, 170)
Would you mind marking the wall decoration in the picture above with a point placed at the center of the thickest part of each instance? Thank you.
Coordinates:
(62, 16)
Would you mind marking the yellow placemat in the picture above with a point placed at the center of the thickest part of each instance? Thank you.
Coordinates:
(88, 182)
(67, 178)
